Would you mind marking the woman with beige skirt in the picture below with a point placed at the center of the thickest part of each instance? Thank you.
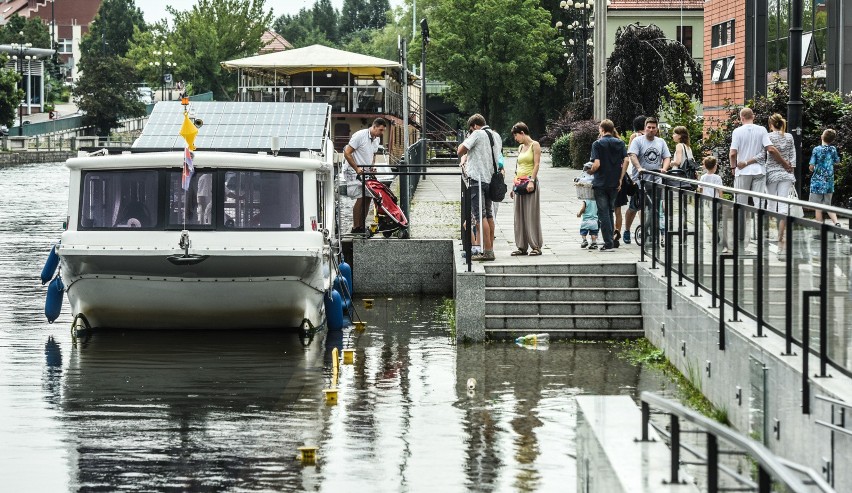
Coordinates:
(525, 193)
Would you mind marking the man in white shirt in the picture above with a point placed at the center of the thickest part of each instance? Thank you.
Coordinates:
(749, 146)
(360, 153)
(482, 154)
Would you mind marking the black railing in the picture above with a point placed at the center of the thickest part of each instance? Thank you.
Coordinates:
(760, 270)
(723, 442)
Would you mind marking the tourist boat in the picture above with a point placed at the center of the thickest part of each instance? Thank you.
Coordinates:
(250, 243)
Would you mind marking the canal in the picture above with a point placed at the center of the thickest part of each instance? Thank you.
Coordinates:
(222, 410)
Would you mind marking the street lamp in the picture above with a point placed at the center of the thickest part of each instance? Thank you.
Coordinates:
(163, 64)
(21, 48)
(579, 27)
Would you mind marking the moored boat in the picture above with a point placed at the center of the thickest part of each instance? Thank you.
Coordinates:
(246, 240)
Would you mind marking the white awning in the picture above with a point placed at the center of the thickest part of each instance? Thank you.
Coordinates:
(313, 58)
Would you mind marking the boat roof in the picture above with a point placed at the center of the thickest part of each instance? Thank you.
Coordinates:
(202, 159)
(239, 127)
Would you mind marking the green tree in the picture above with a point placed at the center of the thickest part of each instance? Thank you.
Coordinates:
(354, 16)
(377, 13)
(111, 31)
(10, 94)
(325, 19)
(143, 45)
(492, 54)
(34, 31)
(214, 31)
(106, 92)
(639, 68)
(678, 109)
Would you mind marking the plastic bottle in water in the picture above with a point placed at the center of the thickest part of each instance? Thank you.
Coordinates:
(533, 339)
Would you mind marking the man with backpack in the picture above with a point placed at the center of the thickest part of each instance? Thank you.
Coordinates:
(483, 148)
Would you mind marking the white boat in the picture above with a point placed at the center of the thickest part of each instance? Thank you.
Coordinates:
(251, 244)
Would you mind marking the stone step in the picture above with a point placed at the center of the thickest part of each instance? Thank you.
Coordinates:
(557, 334)
(531, 308)
(533, 293)
(562, 280)
(598, 269)
(544, 323)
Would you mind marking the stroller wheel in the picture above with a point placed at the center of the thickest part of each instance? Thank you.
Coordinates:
(402, 234)
(388, 234)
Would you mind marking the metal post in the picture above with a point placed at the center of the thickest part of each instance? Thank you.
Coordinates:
(646, 418)
(764, 480)
(681, 221)
(788, 291)
(722, 259)
(736, 272)
(697, 243)
(794, 81)
(714, 249)
(675, 446)
(806, 348)
(424, 40)
(712, 464)
(404, 190)
(599, 62)
(823, 301)
(760, 274)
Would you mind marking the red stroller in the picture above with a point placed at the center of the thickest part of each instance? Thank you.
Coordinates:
(389, 219)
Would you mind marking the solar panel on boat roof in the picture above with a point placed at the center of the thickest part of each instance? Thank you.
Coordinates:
(238, 126)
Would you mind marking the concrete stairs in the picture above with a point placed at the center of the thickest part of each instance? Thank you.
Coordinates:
(566, 301)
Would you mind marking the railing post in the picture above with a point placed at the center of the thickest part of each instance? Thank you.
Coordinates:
(722, 259)
(715, 249)
(759, 260)
(764, 480)
(697, 243)
(735, 278)
(642, 198)
(681, 222)
(788, 295)
(712, 463)
(823, 301)
(806, 348)
(646, 418)
(675, 449)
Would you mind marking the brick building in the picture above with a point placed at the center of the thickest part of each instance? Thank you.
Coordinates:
(71, 19)
(726, 48)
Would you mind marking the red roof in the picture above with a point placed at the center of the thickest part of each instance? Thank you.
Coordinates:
(273, 42)
(656, 4)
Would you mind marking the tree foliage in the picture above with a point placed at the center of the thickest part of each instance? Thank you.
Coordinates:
(10, 94)
(678, 109)
(107, 92)
(214, 31)
(642, 63)
(299, 29)
(493, 54)
(110, 32)
(358, 15)
(33, 29)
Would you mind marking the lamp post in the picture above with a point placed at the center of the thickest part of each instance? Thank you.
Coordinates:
(162, 63)
(21, 48)
(577, 28)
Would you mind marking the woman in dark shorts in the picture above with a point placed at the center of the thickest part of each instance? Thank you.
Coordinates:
(620, 200)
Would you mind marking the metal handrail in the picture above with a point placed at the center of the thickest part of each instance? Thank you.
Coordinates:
(768, 463)
(757, 195)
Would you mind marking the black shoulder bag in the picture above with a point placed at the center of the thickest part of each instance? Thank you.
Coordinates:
(497, 187)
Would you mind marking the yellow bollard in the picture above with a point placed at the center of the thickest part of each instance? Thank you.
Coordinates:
(330, 396)
(359, 326)
(308, 454)
(368, 303)
(348, 356)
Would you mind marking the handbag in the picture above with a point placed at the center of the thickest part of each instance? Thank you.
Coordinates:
(795, 209)
(497, 186)
(520, 186)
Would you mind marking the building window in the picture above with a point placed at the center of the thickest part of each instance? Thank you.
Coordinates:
(723, 69)
(65, 46)
(722, 34)
(684, 37)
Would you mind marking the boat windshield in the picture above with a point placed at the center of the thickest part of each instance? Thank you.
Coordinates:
(193, 207)
(262, 200)
(120, 199)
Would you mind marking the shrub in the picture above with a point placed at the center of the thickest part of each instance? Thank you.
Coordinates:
(584, 134)
(680, 110)
(560, 152)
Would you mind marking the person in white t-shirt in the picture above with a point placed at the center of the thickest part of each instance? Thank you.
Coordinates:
(711, 178)
(360, 153)
(749, 146)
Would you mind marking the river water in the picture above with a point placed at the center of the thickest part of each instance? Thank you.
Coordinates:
(151, 411)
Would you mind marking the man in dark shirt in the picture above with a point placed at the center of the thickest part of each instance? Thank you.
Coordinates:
(609, 163)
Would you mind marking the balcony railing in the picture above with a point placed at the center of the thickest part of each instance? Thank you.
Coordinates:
(361, 99)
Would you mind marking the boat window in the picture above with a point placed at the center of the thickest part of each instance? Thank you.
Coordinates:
(119, 199)
(262, 200)
(194, 207)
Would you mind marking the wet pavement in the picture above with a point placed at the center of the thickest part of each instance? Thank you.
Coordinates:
(204, 410)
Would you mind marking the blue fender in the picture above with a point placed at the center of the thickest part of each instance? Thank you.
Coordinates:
(346, 271)
(334, 310)
(53, 302)
(50, 266)
(341, 286)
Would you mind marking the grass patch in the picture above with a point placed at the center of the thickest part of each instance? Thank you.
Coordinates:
(447, 313)
(642, 352)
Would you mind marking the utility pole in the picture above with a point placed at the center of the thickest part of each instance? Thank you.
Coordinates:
(599, 64)
(424, 33)
(794, 81)
(404, 191)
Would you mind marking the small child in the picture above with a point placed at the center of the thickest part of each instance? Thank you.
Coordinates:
(710, 177)
(824, 158)
(589, 223)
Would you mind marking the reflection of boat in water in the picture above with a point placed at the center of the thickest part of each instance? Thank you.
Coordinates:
(190, 410)
(246, 242)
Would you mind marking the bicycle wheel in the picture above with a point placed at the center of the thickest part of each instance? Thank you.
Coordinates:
(637, 235)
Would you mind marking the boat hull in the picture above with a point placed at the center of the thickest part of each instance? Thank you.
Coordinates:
(221, 292)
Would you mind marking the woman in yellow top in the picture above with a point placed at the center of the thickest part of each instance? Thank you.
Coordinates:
(525, 193)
